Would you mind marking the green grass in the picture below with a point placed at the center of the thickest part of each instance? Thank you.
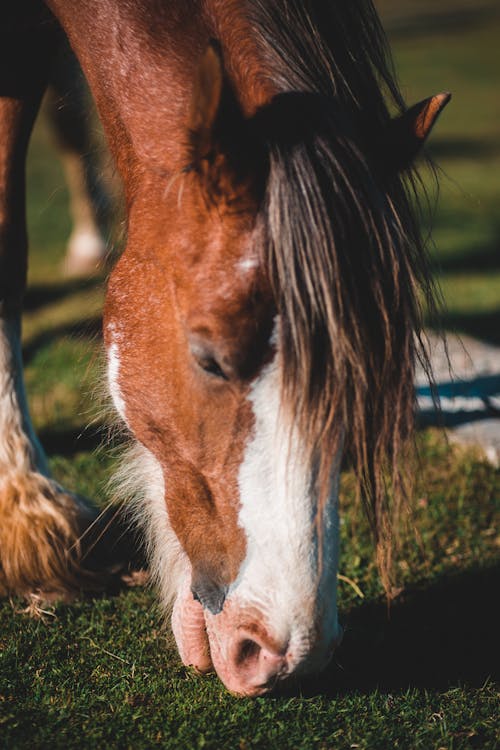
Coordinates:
(466, 147)
(104, 672)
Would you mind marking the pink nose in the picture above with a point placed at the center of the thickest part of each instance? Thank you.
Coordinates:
(254, 664)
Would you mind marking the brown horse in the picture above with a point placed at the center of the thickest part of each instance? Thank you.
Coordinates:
(262, 316)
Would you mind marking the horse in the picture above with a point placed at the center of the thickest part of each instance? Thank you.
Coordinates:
(261, 325)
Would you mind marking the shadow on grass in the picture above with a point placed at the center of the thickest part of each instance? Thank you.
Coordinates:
(112, 547)
(88, 328)
(477, 259)
(462, 148)
(84, 439)
(437, 636)
(480, 325)
(39, 295)
(440, 21)
(475, 256)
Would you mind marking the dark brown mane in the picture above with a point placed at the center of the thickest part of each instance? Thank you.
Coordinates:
(345, 254)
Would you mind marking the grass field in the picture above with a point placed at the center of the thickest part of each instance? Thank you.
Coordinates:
(104, 672)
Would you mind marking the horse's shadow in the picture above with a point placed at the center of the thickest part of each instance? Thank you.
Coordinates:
(439, 635)
(85, 329)
(39, 295)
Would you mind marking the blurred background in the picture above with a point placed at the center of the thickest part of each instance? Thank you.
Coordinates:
(454, 45)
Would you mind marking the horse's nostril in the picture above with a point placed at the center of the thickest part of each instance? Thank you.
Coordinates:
(256, 664)
(247, 652)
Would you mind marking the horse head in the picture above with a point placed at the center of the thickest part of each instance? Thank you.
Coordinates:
(240, 358)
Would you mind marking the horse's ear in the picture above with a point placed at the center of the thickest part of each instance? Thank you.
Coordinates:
(213, 108)
(408, 132)
(205, 102)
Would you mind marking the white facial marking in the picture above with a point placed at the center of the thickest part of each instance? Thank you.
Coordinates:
(113, 356)
(248, 264)
(279, 575)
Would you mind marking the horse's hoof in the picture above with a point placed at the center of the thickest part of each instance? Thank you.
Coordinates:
(42, 539)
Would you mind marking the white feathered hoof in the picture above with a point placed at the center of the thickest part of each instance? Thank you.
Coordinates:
(42, 539)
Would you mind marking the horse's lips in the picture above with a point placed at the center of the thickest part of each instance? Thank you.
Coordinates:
(188, 625)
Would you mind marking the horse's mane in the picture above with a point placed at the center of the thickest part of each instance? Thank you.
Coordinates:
(345, 254)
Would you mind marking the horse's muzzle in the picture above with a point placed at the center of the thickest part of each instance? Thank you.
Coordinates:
(246, 652)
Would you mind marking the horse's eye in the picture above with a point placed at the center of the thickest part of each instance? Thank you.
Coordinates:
(206, 358)
(210, 365)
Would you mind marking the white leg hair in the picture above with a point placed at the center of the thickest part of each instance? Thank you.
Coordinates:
(40, 523)
(19, 446)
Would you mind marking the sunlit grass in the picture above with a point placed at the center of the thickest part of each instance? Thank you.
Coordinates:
(466, 146)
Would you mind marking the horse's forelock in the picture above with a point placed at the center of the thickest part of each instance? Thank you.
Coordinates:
(345, 286)
(345, 260)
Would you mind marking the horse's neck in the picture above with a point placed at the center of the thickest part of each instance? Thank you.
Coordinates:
(139, 58)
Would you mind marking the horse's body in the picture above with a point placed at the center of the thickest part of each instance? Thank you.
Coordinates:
(263, 312)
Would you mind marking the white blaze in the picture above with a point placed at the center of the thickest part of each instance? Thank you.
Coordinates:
(279, 575)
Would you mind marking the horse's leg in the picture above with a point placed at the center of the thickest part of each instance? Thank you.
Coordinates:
(40, 523)
(69, 109)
